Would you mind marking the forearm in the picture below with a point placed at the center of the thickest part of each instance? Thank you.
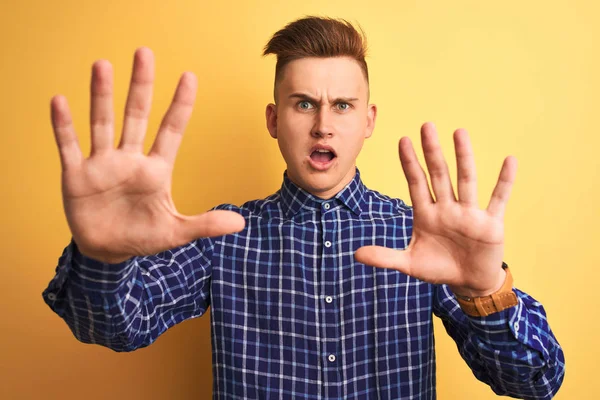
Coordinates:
(514, 351)
(121, 306)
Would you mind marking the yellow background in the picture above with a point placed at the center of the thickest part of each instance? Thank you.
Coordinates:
(521, 76)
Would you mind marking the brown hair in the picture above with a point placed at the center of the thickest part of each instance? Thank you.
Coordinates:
(317, 37)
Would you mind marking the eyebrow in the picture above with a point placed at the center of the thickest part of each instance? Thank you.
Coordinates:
(304, 96)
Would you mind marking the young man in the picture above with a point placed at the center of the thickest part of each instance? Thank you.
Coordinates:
(297, 308)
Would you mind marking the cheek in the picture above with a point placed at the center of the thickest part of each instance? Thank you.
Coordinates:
(351, 123)
(296, 124)
(353, 131)
(289, 148)
(293, 131)
(291, 145)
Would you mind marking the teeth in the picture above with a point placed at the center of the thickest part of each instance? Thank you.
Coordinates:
(323, 151)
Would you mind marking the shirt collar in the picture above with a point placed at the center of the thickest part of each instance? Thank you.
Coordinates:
(295, 198)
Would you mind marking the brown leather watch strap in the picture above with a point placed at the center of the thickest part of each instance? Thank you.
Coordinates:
(483, 306)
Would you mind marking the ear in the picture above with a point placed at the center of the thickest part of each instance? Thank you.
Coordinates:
(371, 117)
(271, 115)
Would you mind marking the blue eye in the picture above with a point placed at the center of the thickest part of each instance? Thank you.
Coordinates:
(305, 105)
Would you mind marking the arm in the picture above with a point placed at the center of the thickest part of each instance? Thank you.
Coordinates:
(126, 306)
(514, 351)
(119, 209)
(459, 247)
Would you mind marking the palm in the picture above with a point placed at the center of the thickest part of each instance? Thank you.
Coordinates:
(118, 201)
(132, 191)
(453, 241)
(448, 245)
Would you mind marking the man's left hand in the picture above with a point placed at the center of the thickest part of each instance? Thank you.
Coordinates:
(453, 241)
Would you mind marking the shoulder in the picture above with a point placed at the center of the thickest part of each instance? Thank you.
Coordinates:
(380, 204)
(267, 207)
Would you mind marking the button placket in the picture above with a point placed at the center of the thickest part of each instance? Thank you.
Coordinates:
(330, 314)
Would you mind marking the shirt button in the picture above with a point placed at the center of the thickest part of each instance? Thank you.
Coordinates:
(327, 206)
(51, 296)
(516, 326)
(331, 358)
(328, 244)
(328, 299)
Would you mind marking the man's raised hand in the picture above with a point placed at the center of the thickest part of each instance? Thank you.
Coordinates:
(118, 200)
(453, 241)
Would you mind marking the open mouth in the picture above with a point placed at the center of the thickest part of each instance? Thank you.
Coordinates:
(322, 157)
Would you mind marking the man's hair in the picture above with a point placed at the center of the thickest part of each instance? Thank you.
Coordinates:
(317, 37)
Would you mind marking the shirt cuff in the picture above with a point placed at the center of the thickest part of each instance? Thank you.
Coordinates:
(89, 274)
(500, 329)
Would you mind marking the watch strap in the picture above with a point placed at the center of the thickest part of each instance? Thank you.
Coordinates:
(483, 306)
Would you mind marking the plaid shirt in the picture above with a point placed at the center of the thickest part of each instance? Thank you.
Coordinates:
(295, 316)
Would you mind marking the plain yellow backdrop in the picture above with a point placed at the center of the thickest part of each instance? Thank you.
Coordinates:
(521, 76)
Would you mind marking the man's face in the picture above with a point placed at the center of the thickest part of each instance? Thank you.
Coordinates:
(321, 120)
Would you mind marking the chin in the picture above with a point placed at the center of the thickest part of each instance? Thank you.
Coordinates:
(324, 184)
(321, 183)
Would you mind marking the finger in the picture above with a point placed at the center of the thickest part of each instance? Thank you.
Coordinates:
(175, 120)
(211, 224)
(465, 163)
(101, 110)
(64, 133)
(383, 257)
(139, 101)
(415, 175)
(436, 164)
(499, 200)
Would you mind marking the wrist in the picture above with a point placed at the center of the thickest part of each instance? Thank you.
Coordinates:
(482, 306)
(469, 292)
(104, 258)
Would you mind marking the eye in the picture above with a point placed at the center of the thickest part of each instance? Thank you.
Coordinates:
(343, 106)
(305, 105)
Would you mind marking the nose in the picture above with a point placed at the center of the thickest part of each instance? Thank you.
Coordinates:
(323, 125)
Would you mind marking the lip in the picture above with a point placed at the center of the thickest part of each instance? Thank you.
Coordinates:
(322, 147)
(321, 166)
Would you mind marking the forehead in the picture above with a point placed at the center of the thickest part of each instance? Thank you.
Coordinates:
(336, 75)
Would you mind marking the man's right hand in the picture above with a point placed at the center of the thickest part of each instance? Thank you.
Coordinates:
(118, 200)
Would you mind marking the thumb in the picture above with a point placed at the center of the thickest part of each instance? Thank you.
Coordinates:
(212, 223)
(383, 257)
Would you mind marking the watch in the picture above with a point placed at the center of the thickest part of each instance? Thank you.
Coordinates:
(500, 300)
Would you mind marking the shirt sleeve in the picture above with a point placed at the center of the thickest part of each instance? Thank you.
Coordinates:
(127, 306)
(514, 351)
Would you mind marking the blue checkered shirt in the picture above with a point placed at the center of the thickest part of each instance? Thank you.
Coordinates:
(295, 316)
